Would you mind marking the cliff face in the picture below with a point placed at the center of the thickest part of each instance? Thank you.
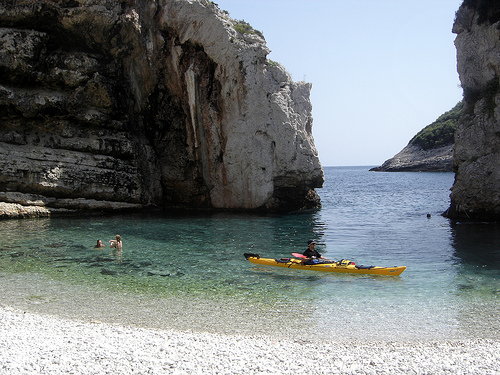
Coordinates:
(108, 104)
(476, 190)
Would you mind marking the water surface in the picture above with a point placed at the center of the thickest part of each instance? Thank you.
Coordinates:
(188, 271)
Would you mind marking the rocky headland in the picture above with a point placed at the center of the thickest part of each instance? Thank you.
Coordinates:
(475, 153)
(430, 150)
(108, 105)
(413, 158)
(476, 190)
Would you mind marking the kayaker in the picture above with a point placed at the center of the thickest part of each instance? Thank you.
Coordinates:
(311, 254)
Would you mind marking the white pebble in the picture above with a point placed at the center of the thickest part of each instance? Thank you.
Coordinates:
(35, 344)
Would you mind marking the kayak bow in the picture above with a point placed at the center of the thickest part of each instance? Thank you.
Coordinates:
(330, 266)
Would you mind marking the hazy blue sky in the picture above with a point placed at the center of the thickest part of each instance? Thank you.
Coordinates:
(381, 69)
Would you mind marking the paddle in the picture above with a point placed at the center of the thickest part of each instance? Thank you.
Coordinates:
(302, 256)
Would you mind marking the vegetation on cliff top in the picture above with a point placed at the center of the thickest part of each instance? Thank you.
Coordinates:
(441, 132)
(241, 26)
(244, 28)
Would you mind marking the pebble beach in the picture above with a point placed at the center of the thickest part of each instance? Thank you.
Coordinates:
(46, 344)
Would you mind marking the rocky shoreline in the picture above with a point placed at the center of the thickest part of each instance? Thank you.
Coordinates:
(414, 159)
(32, 206)
(32, 343)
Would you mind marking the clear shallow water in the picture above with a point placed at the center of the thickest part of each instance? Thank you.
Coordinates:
(189, 272)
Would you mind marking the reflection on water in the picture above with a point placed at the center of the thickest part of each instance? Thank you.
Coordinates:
(477, 245)
(477, 281)
(477, 254)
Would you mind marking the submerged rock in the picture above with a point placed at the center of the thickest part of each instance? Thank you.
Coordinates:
(107, 271)
(162, 273)
(109, 105)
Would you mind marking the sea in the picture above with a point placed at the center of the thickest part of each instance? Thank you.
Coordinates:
(186, 271)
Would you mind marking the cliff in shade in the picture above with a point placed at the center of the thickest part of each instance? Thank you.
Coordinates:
(430, 150)
(108, 105)
(476, 190)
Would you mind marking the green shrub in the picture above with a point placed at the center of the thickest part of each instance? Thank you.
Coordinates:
(244, 28)
(441, 132)
(491, 89)
(488, 93)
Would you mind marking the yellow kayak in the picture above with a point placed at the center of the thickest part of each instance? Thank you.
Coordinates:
(342, 266)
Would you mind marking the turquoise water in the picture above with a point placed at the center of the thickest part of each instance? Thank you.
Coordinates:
(193, 265)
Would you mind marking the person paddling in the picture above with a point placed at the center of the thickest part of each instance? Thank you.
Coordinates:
(311, 254)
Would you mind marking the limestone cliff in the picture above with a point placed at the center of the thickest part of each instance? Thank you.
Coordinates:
(476, 190)
(108, 104)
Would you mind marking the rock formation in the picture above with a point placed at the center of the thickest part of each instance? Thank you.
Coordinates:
(476, 190)
(430, 150)
(413, 158)
(108, 104)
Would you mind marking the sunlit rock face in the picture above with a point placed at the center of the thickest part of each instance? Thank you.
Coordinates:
(108, 105)
(476, 190)
(414, 159)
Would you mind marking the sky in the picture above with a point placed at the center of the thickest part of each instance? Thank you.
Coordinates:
(381, 70)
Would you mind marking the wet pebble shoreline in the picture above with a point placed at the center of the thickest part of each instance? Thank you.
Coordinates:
(44, 344)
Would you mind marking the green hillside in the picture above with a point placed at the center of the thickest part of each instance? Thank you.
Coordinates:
(441, 132)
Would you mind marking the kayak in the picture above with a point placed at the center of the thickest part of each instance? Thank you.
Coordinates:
(343, 266)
